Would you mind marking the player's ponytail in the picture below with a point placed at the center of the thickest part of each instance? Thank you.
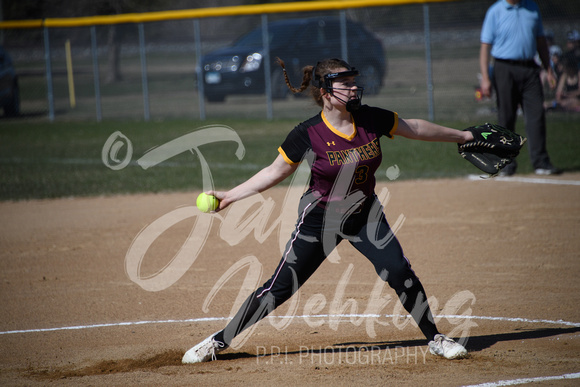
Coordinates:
(306, 79)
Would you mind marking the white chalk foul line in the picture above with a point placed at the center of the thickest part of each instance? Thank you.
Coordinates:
(206, 319)
(324, 316)
(521, 179)
(514, 382)
(119, 324)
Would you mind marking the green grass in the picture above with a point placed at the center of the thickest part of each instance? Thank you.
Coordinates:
(43, 160)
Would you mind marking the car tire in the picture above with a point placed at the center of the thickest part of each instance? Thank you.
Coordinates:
(215, 97)
(371, 79)
(279, 88)
(12, 109)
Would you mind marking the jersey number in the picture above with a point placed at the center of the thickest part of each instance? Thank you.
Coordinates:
(361, 174)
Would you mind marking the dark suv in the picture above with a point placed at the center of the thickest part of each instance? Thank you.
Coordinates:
(9, 91)
(239, 69)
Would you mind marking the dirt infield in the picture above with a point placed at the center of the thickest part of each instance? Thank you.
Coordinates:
(499, 259)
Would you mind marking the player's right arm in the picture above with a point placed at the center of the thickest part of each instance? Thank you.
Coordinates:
(487, 38)
(261, 181)
(484, 58)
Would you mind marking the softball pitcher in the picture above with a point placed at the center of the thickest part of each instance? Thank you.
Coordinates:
(341, 143)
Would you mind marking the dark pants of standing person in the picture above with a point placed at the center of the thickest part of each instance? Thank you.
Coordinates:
(519, 84)
(317, 232)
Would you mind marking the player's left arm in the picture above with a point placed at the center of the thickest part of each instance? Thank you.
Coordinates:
(417, 129)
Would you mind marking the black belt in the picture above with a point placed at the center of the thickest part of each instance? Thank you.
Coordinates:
(525, 63)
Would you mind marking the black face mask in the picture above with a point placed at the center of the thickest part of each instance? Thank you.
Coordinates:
(353, 105)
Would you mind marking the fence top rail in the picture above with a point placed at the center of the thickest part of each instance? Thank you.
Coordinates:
(254, 9)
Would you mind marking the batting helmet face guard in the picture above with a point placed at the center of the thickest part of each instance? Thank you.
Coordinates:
(325, 83)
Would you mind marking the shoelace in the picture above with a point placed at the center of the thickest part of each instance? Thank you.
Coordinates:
(215, 345)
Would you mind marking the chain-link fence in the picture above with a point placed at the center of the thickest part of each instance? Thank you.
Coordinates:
(420, 60)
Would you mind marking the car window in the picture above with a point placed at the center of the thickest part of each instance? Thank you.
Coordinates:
(321, 34)
(277, 34)
(331, 32)
(356, 31)
(252, 39)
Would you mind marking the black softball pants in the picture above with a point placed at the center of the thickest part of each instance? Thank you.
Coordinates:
(318, 231)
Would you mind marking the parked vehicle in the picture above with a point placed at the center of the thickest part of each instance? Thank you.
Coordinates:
(9, 91)
(239, 68)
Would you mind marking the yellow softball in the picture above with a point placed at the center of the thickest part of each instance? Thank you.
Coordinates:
(207, 203)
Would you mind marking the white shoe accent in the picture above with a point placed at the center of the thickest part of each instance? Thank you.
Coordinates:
(442, 345)
(204, 351)
(547, 171)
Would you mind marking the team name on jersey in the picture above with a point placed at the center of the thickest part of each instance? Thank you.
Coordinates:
(354, 155)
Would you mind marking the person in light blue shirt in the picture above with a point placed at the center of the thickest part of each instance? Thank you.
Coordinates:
(512, 33)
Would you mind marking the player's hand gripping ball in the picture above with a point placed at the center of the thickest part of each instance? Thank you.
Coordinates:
(207, 203)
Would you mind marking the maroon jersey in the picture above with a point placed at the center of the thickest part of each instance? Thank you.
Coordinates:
(349, 162)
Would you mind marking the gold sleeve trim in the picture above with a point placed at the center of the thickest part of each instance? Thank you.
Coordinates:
(290, 162)
(395, 126)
